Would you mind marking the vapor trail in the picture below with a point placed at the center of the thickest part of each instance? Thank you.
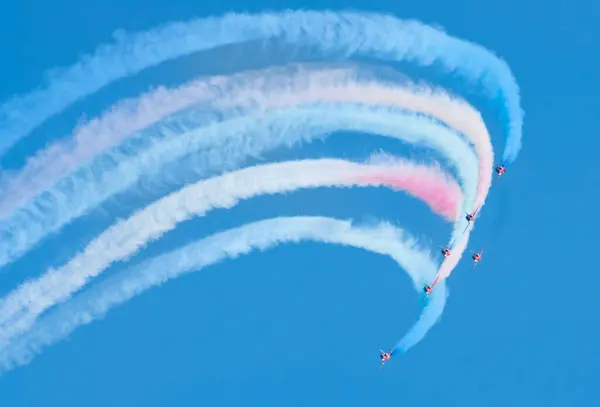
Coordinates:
(225, 145)
(94, 302)
(247, 92)
(21, 307)
(343, 34)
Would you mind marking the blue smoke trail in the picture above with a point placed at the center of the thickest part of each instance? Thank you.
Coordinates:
(223, 146)
(343, 34)
(93, 303)
(430, 315)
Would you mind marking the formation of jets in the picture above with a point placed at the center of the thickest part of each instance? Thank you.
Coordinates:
(447, 251)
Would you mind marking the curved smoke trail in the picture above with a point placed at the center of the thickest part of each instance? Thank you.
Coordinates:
(225, 144)
(20, 308)
(131, 116)
(96, 301)
(254, 91)
(338, 34)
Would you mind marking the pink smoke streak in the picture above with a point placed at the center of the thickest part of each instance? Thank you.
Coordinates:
(441, 194)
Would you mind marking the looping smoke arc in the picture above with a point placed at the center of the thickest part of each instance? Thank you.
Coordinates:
(197, 146)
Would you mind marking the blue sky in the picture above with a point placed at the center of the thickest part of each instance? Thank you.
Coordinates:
(303, 324)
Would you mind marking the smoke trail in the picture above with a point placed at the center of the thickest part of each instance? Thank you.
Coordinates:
(224, 145)
(21, 307)
(253, 91)
(429, 316)
(427, 183)
(453, 112)
(132, 115)
(461, 237)
(451, 261)
(115, 290)
(441, 201)
(344, 34)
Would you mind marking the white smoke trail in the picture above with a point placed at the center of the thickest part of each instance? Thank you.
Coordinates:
(129, 116)
(343, 34)
(19, 310)
(256, 91)
(95, 302)
(253, 91)
(225, 145)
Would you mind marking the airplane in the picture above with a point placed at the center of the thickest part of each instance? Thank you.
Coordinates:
(501, 169)
(384, 356)
(477, 256)
(445, 251)
(470, 218)
(428, 289)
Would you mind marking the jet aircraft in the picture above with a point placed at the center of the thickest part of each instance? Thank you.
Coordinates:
(471, 218)
(477, 256)
(384, 356)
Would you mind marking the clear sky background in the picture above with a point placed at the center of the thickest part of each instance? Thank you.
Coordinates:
(302, 324)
